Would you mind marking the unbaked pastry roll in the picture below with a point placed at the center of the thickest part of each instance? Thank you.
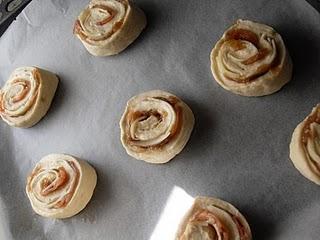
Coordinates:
(107, 27)
(251, 60)
(60, 186)
(213, 219)
(26, 96)
(155, 126)
(305, 146)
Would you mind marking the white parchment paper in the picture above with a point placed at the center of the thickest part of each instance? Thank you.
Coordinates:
(239, 148)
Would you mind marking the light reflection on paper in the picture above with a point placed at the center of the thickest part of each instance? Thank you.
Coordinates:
(177, 205)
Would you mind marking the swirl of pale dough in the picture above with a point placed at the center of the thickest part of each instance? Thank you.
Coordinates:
(101, 19)
(106, 27)
(26, 96)
(305, 146)
(251, 59)
(156, 126)
(19, 93)
(60, 186)
(213, 219)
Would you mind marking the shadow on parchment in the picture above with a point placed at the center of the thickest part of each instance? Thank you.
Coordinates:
(305, 53)
(99, 199)
(261, 227)
(155, 18)
(57, 102)
(61, 92)
(203, 130)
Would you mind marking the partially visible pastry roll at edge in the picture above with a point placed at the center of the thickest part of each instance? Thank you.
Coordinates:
(26, 96)
(305, 146)
(107, 27)
(251, 60)
(213, 219)
(155, 126)
(60, 186)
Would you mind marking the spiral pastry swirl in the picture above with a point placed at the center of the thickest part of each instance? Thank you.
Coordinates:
(60, 186)
(26, 96)
(107, 27)
(213, 219)
(156, 126)
(305, 146)
(251, 60)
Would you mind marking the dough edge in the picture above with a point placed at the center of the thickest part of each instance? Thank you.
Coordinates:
(263, 85)
(160, 157)
(202, 202)
(82, 194)
(47, 88)
(134, 22)
(297, 153)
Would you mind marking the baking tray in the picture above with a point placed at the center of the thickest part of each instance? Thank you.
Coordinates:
(238, 150)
